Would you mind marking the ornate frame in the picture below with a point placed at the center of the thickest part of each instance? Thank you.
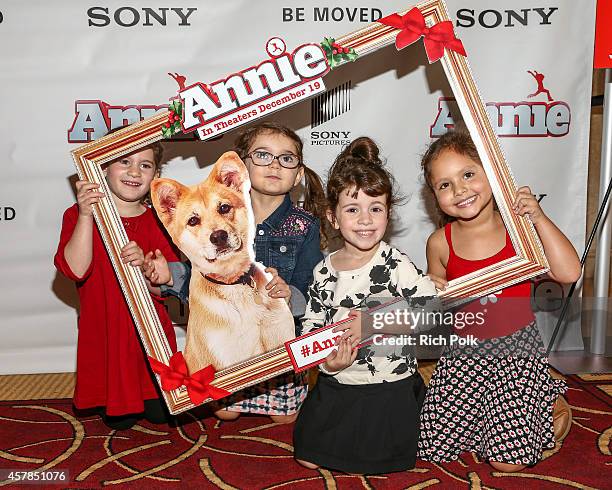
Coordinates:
(528, 262)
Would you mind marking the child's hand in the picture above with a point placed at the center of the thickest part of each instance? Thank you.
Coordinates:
(156, 268)
(87, 194)
(341, 358)
(132, 254)
(438, 281)
(277, 287)
(526, 203)
(355, 329)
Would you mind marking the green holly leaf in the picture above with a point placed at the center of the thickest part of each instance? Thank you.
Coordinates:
(166, 132)
(336, 60)
(327, 44)
(176, 127)
(351, 55)
(176, 107)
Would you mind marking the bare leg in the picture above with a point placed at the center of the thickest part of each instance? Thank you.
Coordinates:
(562, 418)
(507, 467)
(226, 415)
(284, 419)
(310, 466)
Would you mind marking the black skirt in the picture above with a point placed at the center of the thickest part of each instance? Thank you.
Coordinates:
(367, 429)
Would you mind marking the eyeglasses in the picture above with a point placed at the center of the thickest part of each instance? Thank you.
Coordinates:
(265, 158)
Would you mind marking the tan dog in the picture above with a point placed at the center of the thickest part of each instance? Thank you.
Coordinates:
(231, 316)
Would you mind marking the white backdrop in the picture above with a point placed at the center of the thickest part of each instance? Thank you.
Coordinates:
(119, 53)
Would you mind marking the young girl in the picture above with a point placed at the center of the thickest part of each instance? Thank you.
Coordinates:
(497, 398)
(112, 372)
(287, 238)
(363, 414)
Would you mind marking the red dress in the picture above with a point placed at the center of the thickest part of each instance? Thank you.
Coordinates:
(505, 311)
(111, 367)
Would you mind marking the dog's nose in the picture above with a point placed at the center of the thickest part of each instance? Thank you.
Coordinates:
(218, 238)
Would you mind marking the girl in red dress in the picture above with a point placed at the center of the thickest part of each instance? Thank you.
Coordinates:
(113, 375)
(495, 399)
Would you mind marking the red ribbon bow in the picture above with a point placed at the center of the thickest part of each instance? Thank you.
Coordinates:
(435, 38)
(198, 384)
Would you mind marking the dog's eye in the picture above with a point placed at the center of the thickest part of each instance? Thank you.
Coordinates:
(224, 208)
(193, 221)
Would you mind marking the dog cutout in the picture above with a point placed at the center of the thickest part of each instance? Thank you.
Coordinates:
(231, 316)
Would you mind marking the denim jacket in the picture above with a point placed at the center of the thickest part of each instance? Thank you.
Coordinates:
(287, 240)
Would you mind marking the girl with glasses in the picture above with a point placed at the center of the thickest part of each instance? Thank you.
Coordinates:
(288, 238)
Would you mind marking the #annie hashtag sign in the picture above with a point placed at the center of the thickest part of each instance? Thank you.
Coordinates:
(311, 349)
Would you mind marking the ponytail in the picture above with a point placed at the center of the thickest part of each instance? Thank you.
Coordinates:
(315, 202)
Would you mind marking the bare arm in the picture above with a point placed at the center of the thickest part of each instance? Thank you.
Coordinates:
(79, 249)
(562, 257)
(437, 252)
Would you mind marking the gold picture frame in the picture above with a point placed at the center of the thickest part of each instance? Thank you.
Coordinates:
(528, 262)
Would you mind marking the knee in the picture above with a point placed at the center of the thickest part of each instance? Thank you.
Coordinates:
(306, 464)
(507, 467)
(562, 419)
(226, 415)
(284, 419)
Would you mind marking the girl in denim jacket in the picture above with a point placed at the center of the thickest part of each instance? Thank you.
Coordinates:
(288, 238)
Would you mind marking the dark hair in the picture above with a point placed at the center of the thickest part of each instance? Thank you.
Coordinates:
(359, 166)
(314, 196)
(456, 141)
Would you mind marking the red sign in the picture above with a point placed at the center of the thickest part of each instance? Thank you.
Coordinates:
(603, 35)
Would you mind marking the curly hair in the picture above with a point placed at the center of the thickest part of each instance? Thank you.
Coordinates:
(359, 167)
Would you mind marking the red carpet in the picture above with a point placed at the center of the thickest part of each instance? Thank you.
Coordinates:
(253, 453)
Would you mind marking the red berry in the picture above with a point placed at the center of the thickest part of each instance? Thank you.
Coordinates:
(346, 50)
(176, 118)
(335, 51)
(167, 124)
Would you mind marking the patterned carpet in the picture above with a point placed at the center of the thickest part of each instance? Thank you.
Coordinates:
(201, 452)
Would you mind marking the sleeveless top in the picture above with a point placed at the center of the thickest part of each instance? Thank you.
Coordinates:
(503, 312)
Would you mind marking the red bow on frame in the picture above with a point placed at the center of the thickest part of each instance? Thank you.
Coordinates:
(435, 38)
(198, 384)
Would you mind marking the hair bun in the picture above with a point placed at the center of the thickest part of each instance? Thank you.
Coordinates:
(365, 149)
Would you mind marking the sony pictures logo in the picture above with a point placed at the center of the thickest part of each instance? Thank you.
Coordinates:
(325, 107)
(145, 16)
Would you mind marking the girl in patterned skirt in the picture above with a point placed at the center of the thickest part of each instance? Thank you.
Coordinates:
(496, 397)
(363, 414)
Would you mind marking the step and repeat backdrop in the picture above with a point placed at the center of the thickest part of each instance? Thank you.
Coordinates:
(71, 71)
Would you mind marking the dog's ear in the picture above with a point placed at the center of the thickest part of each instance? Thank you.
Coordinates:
(165, 194)
(230, 171)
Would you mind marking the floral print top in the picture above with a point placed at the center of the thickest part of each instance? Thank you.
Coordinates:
(389, 274)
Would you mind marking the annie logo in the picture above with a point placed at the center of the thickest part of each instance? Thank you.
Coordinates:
(274, 84)
(539, 78)
(513, 119)
(94, 118)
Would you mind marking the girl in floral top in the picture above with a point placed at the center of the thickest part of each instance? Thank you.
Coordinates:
(363, 414)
